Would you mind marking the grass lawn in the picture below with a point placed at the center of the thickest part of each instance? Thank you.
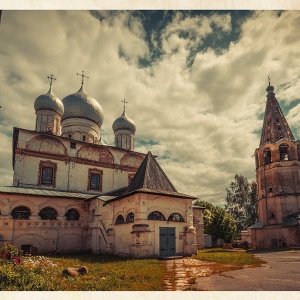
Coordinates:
(240, 258)
(223, 260)
(105, 273)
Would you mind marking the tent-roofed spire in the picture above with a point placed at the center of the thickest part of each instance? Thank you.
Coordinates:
(275, 126)
(150, 175)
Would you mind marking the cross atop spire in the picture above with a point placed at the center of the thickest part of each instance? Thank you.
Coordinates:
(51, 79)
(269, 80)
(82, 77)
(124, 101)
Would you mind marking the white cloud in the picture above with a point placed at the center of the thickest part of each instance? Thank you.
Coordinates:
(203, 118)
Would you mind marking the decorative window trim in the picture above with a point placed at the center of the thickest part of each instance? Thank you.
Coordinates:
(95, 172)
(47, 164)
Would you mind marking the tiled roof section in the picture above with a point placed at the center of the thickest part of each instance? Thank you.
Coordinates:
(150, 176)
(42, 192)
(290, 222)
(117, 192)
(258, 225)
(275, 126)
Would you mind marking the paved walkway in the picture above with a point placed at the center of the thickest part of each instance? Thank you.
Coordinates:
(182, 273)
(280, 273)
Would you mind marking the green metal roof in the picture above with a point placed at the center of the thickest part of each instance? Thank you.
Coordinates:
(43, 192)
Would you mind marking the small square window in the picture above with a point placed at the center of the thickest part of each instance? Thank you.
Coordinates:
(95, 181)
(73, 145)
(47, 175)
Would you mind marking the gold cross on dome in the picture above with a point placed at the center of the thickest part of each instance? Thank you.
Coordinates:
(124, 101)
(82, 77)
(51, 79)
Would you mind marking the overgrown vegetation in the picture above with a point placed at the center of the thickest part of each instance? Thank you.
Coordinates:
(105, 273)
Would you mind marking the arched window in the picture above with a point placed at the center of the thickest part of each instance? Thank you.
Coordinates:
(175, 217)
(72, 215)
(284, 152)
(120, 220)
(130, 218)
(48, 213)
(156, 215)
(267, 156)
(21, 212)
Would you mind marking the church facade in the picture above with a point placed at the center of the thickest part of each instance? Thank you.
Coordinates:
(73, 193)
(278, 182)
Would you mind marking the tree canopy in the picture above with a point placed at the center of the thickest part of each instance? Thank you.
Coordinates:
(242, 202)
(217, 222)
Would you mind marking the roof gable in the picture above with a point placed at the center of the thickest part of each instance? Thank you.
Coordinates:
(150, 176)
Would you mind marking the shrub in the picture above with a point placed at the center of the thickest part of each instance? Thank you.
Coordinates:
(8, 250)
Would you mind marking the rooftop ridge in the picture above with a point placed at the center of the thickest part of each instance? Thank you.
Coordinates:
(150, 175)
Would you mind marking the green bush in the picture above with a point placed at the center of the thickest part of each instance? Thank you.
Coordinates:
(8, 248)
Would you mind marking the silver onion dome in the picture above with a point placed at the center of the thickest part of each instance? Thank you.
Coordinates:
(124, 122)
(49, 102)
(81, 105)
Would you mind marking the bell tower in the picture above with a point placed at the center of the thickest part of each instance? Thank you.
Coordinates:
(278, 180)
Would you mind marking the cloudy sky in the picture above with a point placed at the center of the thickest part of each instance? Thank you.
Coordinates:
(194, 80)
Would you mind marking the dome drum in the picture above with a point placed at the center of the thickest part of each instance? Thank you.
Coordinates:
(48, 121)
(77, 128)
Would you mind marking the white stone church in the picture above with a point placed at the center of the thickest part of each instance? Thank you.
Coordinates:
(73, 193)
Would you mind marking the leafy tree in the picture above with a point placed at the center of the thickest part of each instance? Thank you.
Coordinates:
(217, 222)
(242, 202)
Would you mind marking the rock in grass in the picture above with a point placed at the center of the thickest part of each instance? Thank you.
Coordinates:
(75, 271)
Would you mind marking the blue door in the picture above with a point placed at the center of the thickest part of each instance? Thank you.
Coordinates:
(167, 241)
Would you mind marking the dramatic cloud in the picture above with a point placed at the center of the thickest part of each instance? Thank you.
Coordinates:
(195, 82)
